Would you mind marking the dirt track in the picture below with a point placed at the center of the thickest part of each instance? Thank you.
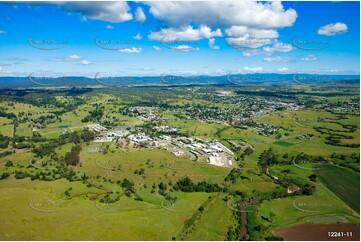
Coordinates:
(319, 232)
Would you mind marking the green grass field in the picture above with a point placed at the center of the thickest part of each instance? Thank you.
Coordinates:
(343, 182)
(6, 127)
(302, 209)
(208, 227)
(73, 208)
(283, 143)
(72, 219)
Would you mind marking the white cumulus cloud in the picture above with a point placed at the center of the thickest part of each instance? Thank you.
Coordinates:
(278, 47)
(239, 19)
(138, 36)
(184, 48)
(114, 12)
(219, 13)
(282, 69)
(245, 31)
(252, 69)
(277, 59)
(245, 42)
(85, 62)
(249, 53)
(333, 29)
(272, 47)
(185, 33)
(139, 15)
(211, 44)
(309, 58)
(73, 57)
(131, 50)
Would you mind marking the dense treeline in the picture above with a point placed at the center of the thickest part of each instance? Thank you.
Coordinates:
(47, 119)
(351, 161)
(7, 115)
(187, 185)
(4, 141)
(85, 135)
(72, 157)
(95, 115)
(269, 158)
(75, 138)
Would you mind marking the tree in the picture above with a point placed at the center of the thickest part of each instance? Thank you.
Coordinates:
(72, 157)
(313, 177)
(9, 163)
(87, 135)
(248, 151)
(20, 175)
(4, 141)
(308, 189)
(162, 186)
(128, 185)
(186, 185)
(4, 175)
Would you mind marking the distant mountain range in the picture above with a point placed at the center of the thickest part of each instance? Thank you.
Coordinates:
(170, 80)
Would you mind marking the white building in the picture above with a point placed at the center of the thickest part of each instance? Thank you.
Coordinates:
(96, 127)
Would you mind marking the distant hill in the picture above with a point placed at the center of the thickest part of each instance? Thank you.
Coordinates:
(172, 80)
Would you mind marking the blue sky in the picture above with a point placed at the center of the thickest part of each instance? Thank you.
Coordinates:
(187, 38)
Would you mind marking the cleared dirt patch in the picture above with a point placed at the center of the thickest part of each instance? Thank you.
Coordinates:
(319, 232)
